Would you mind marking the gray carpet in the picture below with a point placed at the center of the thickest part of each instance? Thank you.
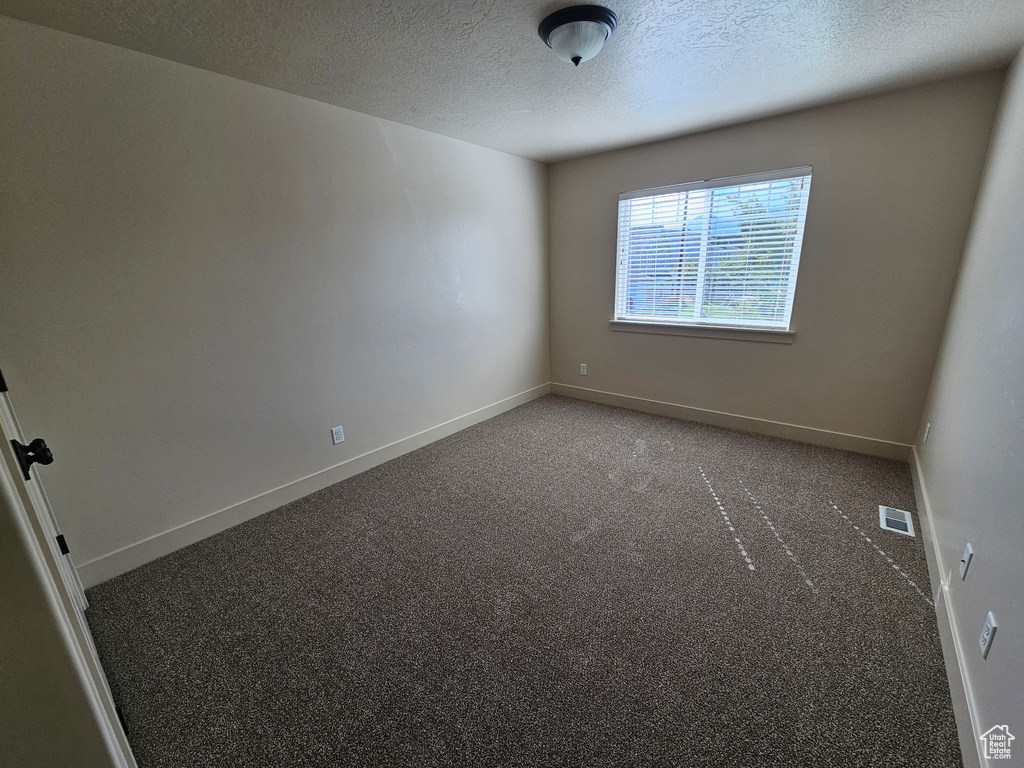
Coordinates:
(566, 584)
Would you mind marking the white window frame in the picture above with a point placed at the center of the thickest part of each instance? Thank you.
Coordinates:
(695, 325)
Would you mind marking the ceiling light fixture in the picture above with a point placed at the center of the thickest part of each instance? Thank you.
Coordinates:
(578, 32)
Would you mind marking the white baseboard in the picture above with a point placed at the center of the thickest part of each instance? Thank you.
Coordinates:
(132, 556)
(964, 709)
(812, 435)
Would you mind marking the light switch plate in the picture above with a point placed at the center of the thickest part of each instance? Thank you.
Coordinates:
(987, 633)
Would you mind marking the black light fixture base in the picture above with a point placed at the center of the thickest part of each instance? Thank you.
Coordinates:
(597, 13)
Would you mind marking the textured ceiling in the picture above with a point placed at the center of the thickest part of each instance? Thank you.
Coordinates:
(477, 70)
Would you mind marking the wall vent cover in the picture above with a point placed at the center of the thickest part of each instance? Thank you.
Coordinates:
(896, 520)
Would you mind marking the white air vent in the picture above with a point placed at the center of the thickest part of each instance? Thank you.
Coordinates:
(896, 520)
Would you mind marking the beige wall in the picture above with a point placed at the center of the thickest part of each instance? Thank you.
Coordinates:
(971, 465)
(200, 277)
(894, 184)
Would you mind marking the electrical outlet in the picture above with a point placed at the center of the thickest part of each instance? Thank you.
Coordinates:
(987, 633)
(583, 369)
(338, 434)
(927, 429)
(965, 561)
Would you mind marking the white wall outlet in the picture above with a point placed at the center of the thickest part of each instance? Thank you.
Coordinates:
(965, 561)
(927, 429)
(583, 369)
(987, 633)
(338, 434)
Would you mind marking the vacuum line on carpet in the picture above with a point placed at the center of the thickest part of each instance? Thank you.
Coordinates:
(728, 522)
(880, 551)
(785, 546)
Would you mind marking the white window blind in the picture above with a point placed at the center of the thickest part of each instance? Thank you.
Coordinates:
(721, 253)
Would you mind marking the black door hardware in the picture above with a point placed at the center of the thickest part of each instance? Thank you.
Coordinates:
(35, 452)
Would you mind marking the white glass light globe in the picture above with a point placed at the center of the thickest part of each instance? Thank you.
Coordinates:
(578, 41)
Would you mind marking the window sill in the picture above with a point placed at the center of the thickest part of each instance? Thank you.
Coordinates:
(707, 331)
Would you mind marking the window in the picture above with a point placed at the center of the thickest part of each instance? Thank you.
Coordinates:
(712, 253)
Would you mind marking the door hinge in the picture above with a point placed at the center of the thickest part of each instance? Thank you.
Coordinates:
(62, 544)
(120, 717)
